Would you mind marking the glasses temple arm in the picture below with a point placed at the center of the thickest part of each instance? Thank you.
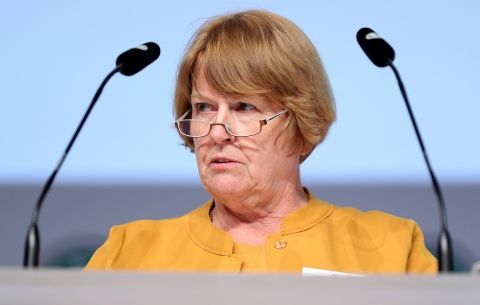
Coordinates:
(265, 121)
(184, 115)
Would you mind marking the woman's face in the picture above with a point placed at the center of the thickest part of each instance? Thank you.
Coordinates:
(233, 168)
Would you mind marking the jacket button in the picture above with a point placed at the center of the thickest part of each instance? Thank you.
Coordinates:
(280, 244)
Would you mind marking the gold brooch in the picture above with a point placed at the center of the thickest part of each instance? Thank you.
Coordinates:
(280, 244)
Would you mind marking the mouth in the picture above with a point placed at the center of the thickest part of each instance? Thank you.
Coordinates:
(221, 160)
(222, 163)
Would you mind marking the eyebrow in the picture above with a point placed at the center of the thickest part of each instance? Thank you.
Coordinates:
(258, 101)
(197, 95)
(200, 97)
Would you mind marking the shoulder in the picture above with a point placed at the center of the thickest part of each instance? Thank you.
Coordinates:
(147, 228)
(139, 235)
(141, 243)
(400, 239)
(380, 226)
(373, 219)
(396, 244)
(152, 225)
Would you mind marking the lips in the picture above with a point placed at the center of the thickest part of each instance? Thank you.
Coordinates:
(221, 160)
(221, 163)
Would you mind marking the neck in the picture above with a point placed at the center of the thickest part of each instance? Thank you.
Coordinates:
(254, 222)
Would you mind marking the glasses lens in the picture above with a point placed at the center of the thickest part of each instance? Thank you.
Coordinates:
(193, 128)
(201, 128)
(245, 127)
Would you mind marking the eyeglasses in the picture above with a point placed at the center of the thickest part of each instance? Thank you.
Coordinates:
(195, 128)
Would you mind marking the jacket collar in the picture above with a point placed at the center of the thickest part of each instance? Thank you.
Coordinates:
(207, 236)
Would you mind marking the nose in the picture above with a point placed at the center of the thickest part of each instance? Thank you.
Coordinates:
(220, 130)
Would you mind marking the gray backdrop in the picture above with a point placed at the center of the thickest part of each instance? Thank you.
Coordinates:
(76, 218)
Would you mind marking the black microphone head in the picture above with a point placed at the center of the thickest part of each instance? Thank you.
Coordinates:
(377, 49)
(135, 59)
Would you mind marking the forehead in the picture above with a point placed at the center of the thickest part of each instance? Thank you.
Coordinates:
(227, 80)
(203, 90)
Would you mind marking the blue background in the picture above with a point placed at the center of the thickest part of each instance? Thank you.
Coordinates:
(55, 53)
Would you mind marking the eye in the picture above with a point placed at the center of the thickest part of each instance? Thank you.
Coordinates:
(245, 107)
(202, 107)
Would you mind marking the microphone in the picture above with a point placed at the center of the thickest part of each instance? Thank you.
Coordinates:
(377, 49)
(382, 54)
(128, 63)
(135, 59)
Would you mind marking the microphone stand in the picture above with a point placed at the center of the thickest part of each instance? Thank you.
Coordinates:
(32, 242)
(444, 246)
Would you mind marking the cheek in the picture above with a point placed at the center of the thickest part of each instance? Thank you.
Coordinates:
(199, 145)
(271, 155)
(200, 152)
(261, 154)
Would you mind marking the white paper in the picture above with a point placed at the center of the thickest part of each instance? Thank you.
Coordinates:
(307, 271)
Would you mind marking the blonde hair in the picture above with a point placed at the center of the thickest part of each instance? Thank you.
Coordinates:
(258, 53)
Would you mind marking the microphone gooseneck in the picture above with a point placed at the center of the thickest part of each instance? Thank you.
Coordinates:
(129, 64)
(382, 54)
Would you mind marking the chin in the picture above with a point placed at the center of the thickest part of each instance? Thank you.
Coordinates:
(224, 186)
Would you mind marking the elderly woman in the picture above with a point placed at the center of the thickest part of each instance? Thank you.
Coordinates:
(252, 101)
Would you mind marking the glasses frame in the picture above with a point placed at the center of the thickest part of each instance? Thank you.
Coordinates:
(225, 125)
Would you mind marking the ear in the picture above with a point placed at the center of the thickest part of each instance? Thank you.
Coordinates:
(305, 153)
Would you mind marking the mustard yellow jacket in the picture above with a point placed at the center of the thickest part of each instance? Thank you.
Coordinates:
(319, 235)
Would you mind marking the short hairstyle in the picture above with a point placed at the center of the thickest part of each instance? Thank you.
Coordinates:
(258, 53)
